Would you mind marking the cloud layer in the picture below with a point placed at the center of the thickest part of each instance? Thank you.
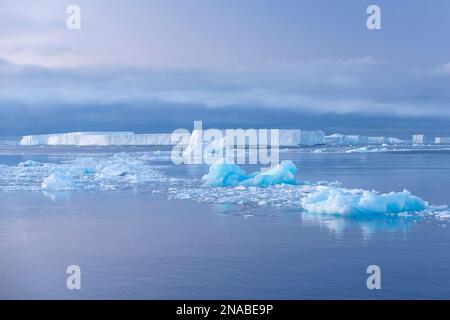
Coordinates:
(361, 87)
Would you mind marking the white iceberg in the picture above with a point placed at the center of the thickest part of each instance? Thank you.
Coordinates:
(342, 201)
(443, 140)
(376, 140)
(356, 139)
(418, 139)
(311, 138)
(288, 137)
(97, 139)
(393, 140)
(342, 139)
(283, 173)
(58, 182)
(334, 139)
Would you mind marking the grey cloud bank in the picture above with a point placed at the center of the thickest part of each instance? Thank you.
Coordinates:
(36, 98)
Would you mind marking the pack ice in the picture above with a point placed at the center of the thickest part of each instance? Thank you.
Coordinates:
(224, 183)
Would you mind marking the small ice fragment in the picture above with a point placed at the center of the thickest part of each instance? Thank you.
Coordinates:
(30, 163)
(58, 182)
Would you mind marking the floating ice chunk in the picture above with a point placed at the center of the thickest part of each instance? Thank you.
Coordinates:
(330, 200)
(58, 182)
(358, 150)
(366, 149)
(445, 215)
(222, 174)
(283, 173)
(30, 163)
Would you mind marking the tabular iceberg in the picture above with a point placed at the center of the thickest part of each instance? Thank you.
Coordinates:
(97, 139)
(287, 137)
(297, 137)
(342, 139)
(443, 140)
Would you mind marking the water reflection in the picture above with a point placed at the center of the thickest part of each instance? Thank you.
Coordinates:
(57, 195)
(338, 224)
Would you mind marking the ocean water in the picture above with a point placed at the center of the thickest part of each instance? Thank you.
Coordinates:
(141, 227)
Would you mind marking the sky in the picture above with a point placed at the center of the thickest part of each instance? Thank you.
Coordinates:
(154, 66)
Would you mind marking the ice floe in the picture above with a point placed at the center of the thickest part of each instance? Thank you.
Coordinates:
(331, 200)
(120, 171)
(222, 174)
(30, 163)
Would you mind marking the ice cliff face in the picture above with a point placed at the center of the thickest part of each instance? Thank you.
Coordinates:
(342, 139)
(287, 138)
(297, 137)
(97, 139)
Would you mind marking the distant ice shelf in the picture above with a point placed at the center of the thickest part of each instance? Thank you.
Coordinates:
(342, 139)
(97, 139)
(287, 138)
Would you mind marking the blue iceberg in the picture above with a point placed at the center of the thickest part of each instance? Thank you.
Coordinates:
(222, 174)
(342, 201)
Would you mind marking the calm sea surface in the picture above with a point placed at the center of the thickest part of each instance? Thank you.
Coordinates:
(135, 244)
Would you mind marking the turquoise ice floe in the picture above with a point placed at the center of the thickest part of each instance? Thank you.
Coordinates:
(342, 201)
(222, 174)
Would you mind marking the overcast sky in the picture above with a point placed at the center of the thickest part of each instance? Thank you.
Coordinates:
(155, 65)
